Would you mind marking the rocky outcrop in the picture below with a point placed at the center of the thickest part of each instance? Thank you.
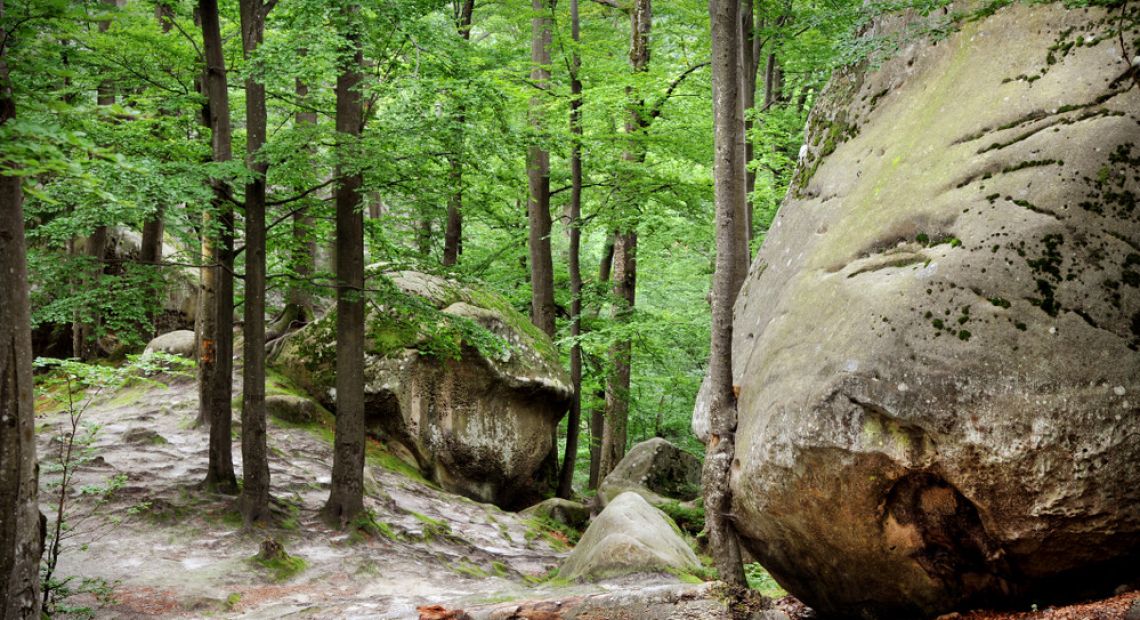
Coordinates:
(464, 383)
(656, 470)
(936, 348)
(180, 342)
(290, 408)
(629, 536)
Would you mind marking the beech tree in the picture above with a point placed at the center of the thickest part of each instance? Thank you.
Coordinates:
(574, 419)
(728, 184)
(255, 460)
(346, 497)
(20, 544)
(538, 175)
(615, 431)
(216, 294)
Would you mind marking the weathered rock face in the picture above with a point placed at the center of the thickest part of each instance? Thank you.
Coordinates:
(936, 347)
(629, 536)
(455, 376)
(179, 342)
(560, 510)
(655, 469)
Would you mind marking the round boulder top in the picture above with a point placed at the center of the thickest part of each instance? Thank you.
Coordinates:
(629, 536)
(180, 342)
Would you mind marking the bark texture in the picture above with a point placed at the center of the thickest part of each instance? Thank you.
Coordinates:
(729, 181)
(453, 233)
(346, 498)
(538, 177)
(254, 453)
(216, 298)
(20, 543)
(574, 422)
(614, 433)
(598, 411)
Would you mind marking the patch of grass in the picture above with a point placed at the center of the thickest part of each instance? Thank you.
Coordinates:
(551, 578)
(760, 580)
(559, 536)
(232, 601)
(433, 528)
(464, 567)
(690, 519)
(500, 569)
(283, 567)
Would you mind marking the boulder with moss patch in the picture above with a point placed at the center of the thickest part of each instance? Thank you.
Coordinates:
(181, 342)
(657, 470)
(629, 536)
(936, 347)
(454, 375)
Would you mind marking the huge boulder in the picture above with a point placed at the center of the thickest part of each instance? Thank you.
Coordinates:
(466, 385)
(629, 536)
(936, 347)
(655, 469)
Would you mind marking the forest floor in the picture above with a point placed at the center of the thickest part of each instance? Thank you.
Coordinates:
(161, 547)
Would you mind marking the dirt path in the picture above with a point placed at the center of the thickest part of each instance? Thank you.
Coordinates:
(183, 553)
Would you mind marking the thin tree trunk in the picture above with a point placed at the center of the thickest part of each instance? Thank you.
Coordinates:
(84, 329)
(598, 411)
(153, 229)
(750, 64)
(574, 422)
(20, 541)
(346, 498)
(216, 298)
(453, 234)
(538, 177)
(614, 433)
(254, 452)
(298, 306)
(728, 125)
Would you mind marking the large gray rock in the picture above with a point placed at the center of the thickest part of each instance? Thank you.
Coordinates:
(655, 469)
(453, 374)
(179, 342)
(936, 347)
(629, 536)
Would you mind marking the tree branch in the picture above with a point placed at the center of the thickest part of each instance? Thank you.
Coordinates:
(655, 111)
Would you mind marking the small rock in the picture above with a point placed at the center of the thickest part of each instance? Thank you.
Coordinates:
(296, 409)
(1133, 612)
(770, 614)
(562, 511)
(145, 436)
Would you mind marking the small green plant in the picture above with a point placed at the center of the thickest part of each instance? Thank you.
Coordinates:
(760, 580)
(232, 601)
(281, 565)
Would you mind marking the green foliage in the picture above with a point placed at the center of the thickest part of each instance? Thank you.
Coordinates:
(762, 582)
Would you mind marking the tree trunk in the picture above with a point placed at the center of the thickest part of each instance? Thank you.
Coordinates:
(216, 298)
(574, 423)
(453, 234)
(750, 64)
(729, 180)
(538, 177)
(346, 498)
(254, 453)
(598, 413)
(84, 328)
(298, 306)
(20, 542)
(614, 433)
(153, 229)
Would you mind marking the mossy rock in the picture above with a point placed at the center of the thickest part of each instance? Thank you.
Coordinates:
(465, 384)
